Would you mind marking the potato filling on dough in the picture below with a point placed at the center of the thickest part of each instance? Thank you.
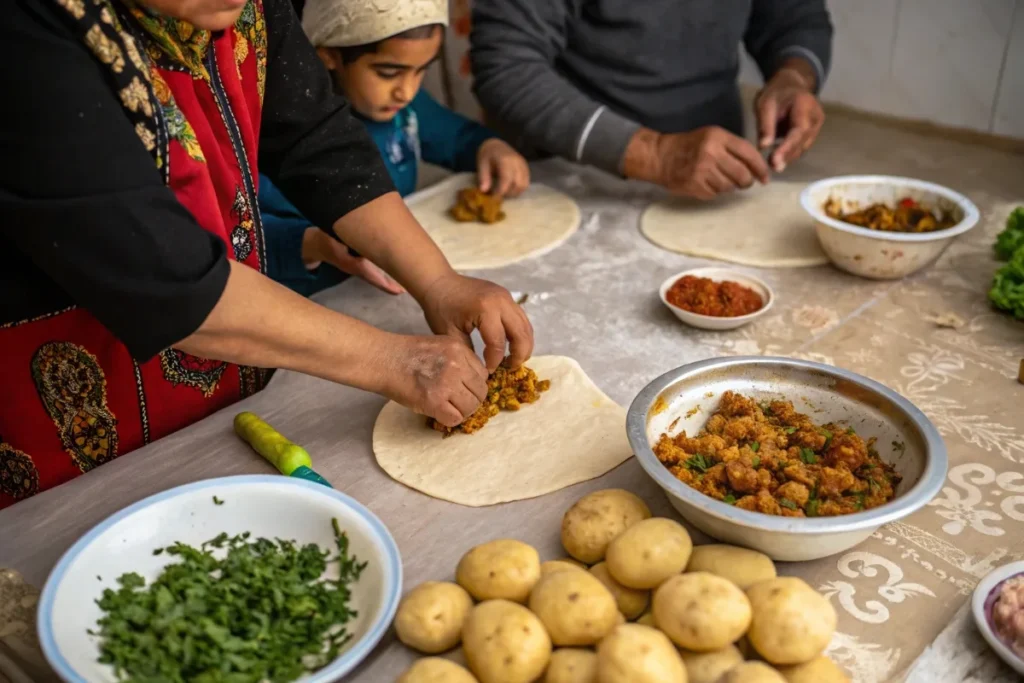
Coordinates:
(506, 390)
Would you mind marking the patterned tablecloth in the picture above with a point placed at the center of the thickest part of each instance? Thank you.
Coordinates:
(595, 299)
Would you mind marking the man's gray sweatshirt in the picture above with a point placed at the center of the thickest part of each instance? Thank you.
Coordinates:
(576, 78)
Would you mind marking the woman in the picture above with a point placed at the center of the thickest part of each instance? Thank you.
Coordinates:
(131, 296)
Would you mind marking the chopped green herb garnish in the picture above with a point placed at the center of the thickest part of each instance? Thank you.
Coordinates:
(257, 611)
(755, 462)
(875, 486)
(699, 463)
(787, 503)
(808, 456)
(860, 501)
(899, 446)
(851, 430)
(217, 501)
(828, 438)
(790, 430)
(755, 445)
(158, 551)
(812, 508)
(730, 499)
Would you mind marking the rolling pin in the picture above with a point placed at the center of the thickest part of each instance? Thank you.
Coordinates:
(290, 459)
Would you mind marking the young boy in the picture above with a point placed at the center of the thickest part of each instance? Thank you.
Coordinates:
(377, 58)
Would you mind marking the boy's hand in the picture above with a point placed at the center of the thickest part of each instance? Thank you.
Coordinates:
(437, 376)
(501, 170)
(319, 247)
(455, 305)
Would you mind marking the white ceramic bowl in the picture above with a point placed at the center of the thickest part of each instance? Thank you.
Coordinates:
(684, 398)
(873, 253)
(710, 322)
(266, 505)
(980, 610)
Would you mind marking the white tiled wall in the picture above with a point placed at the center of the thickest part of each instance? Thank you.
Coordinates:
(954, 62)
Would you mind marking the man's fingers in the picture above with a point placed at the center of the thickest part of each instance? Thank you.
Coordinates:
(790, 148)
(519, 331)
(767, 120)
(464, 400)
(735, 170)
(718, 182)
(448, 415)
(493, 334)
(748, 154)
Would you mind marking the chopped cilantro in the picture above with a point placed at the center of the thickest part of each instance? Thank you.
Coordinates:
(790, 430)
(158, 551)
(808, 456)
(812, 508)
(860, 501)
(851, 430)
(699, 463)
(828, 438)
(899, 446)
(217, 501)
(787, 503)
(875, 486)
(755, 445)
(755, 462)
(730, 499)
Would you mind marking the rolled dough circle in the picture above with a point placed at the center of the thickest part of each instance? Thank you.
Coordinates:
(535, 223)
(764, 226)
(572, 434)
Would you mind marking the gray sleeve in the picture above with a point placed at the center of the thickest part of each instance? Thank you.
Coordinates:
(779, 29)
(514, 46)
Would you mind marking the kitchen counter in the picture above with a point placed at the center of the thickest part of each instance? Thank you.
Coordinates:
(595, 299)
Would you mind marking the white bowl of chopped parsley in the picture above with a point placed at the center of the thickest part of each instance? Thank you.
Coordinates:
(251, 578)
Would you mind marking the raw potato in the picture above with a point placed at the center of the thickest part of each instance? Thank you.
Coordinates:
(752, 672)
(708, 667)
(792, 623)
(430, 617)
(649, 552)
(701, 612)
(505, 643)
(502, 569)
(575, 607)
(631, 603)
(572, 665)
(552, 566)
(741, 566)
(818, 670)
(436, 670)
(596, 518)
(646, 619)
(638, 654)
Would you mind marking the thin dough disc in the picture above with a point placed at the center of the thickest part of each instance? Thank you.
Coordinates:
(535, 223)
(572, 434)
(764, 226)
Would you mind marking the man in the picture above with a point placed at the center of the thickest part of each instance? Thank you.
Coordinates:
(647, 88)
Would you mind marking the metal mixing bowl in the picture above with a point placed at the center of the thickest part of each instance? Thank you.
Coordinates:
(684, 398)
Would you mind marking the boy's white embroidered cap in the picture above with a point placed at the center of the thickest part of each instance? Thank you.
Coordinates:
(343, 23)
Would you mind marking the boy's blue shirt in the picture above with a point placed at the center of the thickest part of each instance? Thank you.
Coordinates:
(423, 130)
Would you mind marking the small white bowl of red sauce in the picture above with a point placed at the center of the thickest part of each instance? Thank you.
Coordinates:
(716, 298)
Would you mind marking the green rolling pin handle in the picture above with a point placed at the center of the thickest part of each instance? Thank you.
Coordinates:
(289, 458)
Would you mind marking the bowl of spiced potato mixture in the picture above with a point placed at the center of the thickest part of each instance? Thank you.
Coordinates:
(796, 459)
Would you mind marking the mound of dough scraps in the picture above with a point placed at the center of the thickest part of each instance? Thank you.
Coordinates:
(506, 390)
(473, 205)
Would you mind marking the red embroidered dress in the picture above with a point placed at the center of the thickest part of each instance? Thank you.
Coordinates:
(100, 282)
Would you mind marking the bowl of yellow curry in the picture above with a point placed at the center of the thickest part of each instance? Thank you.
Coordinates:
(886, 227)
(796, 459)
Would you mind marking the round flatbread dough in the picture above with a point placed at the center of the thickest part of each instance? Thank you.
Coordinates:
(436, 670)
(516, 455)
(535, 222)
(764, 226)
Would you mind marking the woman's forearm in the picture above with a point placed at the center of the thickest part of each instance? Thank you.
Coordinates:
(386, 233)
(259, 322)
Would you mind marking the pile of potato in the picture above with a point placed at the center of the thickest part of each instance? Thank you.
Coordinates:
(710, 614)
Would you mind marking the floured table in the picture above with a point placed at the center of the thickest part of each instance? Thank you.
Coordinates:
(595, 299)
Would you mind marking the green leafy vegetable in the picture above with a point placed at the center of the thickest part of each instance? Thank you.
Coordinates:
(860, 501)
(1011, 239)
(217, 501)
(730, 499)
(790, 430)
(699, 463)
(812, 508)
(755, 462)
(808, 456)
(755, 445)
(230, 611)
(1007, 292)
(851, 430)
(787, 503)
(828, 437)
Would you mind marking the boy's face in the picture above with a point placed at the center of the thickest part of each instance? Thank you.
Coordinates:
(381, 83)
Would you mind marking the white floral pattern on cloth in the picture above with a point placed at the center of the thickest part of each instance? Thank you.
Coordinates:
(863, 564)
(866, 662)
(965, 506)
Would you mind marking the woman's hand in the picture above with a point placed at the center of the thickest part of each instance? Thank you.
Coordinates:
(319, 247)
(501, 170)
(455, 305)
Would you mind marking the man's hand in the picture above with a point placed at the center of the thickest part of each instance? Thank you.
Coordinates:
(436, 376)
(455, 305)
(319, 247)
(702, 163)
(788, 106)
(501, 170)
